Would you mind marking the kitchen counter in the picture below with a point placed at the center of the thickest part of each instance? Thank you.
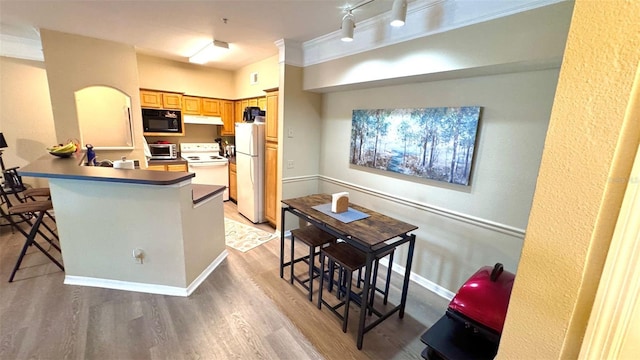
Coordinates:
(104, 215)
(52, 167)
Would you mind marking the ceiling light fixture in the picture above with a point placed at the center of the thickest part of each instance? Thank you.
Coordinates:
(213, 50)
(348, 24)
(398, 13)
(398, 17)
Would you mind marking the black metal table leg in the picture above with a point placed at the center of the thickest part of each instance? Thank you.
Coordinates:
(282, 211)
(407, 274)
(365, 298)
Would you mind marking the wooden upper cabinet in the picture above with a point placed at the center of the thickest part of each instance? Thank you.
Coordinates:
(238, 110)
(191, 105)
(253, 102)
(262, 103)
(171, 101)
(150, 99)
(211, 107)
(160, 100)
(271, 118)
(228, 118)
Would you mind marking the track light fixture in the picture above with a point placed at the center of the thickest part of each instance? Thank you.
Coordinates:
(398, 17)
(348, 24)
(398, 13)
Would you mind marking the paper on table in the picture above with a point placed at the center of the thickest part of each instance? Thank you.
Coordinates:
(346, 217)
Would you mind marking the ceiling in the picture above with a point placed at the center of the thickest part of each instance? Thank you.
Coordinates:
(177, 29)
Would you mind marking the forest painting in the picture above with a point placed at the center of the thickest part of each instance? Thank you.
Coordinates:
(431, 143)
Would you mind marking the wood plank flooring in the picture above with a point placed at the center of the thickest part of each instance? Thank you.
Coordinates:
(242, 311)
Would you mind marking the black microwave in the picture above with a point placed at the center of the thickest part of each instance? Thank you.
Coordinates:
(162, 121)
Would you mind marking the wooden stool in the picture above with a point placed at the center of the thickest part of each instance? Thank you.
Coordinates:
(348, 260)
(313, 237)
(33, 207)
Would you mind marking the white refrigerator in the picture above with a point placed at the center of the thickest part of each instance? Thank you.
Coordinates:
(250, 170)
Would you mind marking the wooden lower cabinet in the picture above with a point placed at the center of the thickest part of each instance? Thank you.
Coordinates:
(168, 167)
(270, 182)
(233, 182)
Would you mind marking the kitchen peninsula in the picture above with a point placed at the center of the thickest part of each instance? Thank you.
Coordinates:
(137, 230)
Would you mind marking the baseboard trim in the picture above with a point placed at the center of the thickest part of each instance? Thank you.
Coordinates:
(419, 280)
(204, 274)
(146, 288)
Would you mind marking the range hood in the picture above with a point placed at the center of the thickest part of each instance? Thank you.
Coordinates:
(199, 119)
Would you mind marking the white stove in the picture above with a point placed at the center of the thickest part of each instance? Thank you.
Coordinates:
(205, 161)
(201, 152)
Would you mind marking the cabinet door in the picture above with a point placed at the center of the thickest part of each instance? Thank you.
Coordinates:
(271, 119)
(171, 101)
(191, 105)
(270, 182)
(229, 127)
(177, 167)
(253, 102)
(211, 107)
(262, 103)
(150, 99)
(157, 167)
(233, 182)
(238, 110)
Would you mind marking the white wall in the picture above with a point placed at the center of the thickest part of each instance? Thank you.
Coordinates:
(509, 67)
(26, 118)
(461, 227)
(74, 62)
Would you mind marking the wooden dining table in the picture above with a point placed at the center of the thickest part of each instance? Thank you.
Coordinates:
(374, 235)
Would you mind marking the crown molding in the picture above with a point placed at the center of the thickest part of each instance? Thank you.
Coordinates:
(290, 52)
(424, 18)
(21, 48)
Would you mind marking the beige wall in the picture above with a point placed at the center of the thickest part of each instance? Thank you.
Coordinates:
(268, 78)
(26, 118)
(585, 167)
(74, 62)
(461, 228)
(511, 43)
(191, 79)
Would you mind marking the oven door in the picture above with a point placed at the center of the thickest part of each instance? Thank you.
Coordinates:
(211, 173)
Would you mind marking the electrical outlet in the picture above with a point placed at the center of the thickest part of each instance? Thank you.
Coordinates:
(289, 164)
(138, 255)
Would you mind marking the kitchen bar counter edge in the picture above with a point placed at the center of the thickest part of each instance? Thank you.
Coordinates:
(69, 168)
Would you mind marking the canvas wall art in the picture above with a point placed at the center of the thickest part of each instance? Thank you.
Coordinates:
(431, 143)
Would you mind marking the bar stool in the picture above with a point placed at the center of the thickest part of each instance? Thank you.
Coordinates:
(33, 208)
(314, 238)
(348, 259)
(13, 185)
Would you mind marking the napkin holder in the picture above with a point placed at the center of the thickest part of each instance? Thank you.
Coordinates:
(339, 202)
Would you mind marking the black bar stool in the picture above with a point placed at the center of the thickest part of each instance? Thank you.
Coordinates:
(314, 238)
(349, 259)
(33, 207)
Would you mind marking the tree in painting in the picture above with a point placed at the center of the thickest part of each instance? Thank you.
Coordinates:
(432, 143)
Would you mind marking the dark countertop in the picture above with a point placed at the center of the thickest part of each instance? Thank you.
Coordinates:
(52, 167)
(203, 192)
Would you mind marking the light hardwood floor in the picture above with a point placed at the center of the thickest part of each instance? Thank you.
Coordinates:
(242, 311)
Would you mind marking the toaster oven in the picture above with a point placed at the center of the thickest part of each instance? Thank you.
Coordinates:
(163, 151)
